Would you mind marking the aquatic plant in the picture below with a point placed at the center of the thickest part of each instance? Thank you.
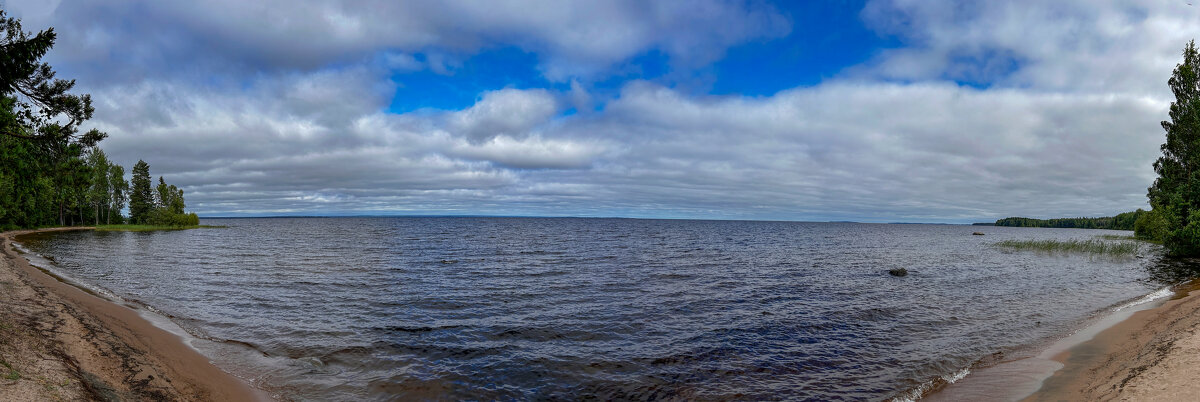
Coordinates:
(1090, 246)
(1115, 237)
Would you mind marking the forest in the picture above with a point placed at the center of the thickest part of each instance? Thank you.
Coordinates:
(51, 173)
(1122, 221)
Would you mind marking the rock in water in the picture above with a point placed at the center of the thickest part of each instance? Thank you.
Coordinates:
(977, 234)
(898, 272)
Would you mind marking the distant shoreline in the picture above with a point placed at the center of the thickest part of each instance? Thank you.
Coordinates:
(58, 341)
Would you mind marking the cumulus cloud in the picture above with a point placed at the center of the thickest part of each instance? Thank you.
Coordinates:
(1074, 45)
(986, 110)
(574, 38)
(532, 152)
(510, 112)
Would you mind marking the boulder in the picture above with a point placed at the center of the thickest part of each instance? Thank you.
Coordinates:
(898, 272)
(977, 234)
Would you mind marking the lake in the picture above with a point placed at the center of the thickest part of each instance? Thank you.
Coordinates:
(565, 308)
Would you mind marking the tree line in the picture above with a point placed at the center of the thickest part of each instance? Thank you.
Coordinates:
(1122, 221)
(51, 173)
(1174, 216)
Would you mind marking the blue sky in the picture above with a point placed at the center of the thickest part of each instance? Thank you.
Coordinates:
(824, 38)
(882, 110)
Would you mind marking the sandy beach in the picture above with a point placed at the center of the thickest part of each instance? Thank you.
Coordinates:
(1152, 356)
(58, 342)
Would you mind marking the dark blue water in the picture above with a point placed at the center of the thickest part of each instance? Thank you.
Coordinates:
(516, 308)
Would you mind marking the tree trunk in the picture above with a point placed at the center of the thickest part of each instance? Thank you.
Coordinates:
(97, 214)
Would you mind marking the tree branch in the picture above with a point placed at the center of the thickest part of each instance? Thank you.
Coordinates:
(28, 137)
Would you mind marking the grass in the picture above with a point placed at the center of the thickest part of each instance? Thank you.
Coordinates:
(1091, 246)
(149, 228)
(12, 372)
(1116, 237)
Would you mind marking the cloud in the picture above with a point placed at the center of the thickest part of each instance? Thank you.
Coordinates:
(510, 112)
(986, 110)
(1075, 45)
(959, 153)
(532, 152)
(572, 38)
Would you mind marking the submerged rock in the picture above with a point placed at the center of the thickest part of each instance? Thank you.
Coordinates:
(898, 272)
(977, 234)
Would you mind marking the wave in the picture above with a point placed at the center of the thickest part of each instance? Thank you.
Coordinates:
(1159, 294)
(932, 385)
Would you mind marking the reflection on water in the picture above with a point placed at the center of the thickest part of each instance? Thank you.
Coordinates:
(1163, 269)
(497, 308)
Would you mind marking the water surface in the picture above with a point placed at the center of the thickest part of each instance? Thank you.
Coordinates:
(542, 308)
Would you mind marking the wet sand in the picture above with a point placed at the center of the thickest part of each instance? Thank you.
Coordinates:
(58, 342)
(1152, 356)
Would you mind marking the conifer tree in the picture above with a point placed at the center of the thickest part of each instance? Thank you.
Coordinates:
(141, 196)
(1175, 195)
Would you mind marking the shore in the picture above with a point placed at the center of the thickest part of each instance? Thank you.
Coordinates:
(58, 342)
(1154, 355)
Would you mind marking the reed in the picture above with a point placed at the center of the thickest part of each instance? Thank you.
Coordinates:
(1090, 246)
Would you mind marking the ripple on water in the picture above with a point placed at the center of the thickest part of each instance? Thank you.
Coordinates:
(517, 308)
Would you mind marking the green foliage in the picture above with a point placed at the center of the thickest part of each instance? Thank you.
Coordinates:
(118, 192)
(47, 112)
(141, 199)
(99, 192)
(29, 196)
(169, 197)
(1175, 194)
(1150, 226)
(162, 206)
(49, 172)
(1123, 221)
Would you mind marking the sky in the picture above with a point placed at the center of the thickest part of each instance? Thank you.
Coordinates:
(873, 111)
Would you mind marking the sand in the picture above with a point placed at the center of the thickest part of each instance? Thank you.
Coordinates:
(1152, 356)
(58, 342)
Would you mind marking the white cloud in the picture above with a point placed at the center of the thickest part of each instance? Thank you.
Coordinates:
(511, 112)
(1070, 46)
(574, 38)
(1066, 125)
(532, 152)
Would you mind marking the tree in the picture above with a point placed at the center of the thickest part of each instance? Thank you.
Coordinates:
(1175, 194)
(44, 176)
(141, 197)
(162, 194)
(98, 193)
(1150, 226)
(46, 111)
(176, 205)
(119, 191)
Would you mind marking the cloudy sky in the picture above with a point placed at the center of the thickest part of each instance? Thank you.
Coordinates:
(904, 110)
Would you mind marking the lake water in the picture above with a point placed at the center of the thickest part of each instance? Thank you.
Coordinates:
(547, 308)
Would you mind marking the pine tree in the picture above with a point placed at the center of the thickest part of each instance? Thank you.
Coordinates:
(1175, 195)
(141, 196)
